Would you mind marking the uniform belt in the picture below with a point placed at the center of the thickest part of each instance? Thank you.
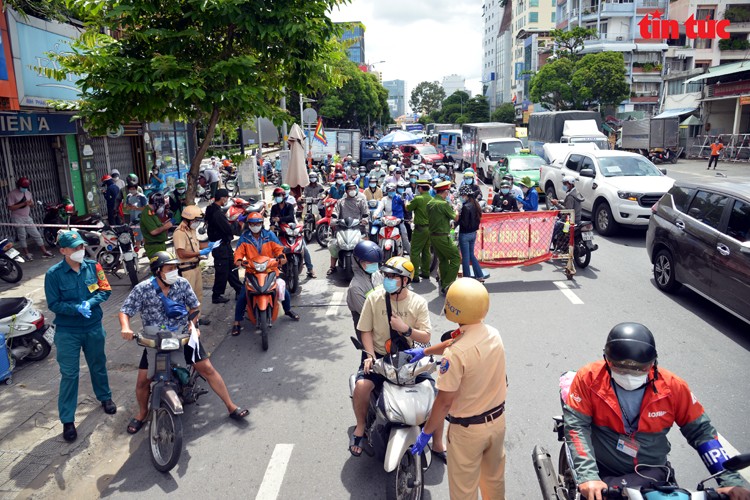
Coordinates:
(188, 266)
(440, 234)
(485, 417)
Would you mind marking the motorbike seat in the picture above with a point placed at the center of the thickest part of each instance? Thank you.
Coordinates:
(90, 238)
(9, 307)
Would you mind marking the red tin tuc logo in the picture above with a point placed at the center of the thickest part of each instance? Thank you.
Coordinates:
(652, 26)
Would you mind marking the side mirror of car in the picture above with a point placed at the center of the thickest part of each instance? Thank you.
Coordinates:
(587, 172)
(745, 248)
(663, 171)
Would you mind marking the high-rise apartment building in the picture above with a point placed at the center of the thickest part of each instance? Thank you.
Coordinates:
(396, 97)
(492, 13)
(454, 83)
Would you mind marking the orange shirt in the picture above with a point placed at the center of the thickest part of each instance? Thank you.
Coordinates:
(716, 148)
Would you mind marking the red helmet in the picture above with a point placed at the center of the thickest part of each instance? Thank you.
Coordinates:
(279, 192)
(23, 182)
(339, 166)
(106, 178)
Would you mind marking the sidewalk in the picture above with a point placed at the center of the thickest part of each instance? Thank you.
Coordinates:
(34, 458)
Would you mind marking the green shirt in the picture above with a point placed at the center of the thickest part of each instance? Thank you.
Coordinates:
(419, 206)
(65, 289)
(149, 222)
(440, 215)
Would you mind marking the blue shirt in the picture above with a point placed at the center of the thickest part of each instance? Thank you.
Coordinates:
(362, 181)
(398, 207)
(337, 192)
(530, 202)
(65, 289)
(145, 300)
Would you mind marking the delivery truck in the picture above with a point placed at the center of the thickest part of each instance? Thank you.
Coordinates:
(573, 127)
(346, 141)
(484, 144)
(648, 134)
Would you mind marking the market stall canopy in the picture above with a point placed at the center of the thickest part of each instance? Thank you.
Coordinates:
(691, 120)
(398, 138)
(671, 113)
(723, 70)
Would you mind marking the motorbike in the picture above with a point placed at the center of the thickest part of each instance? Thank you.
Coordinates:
(310, 218)
(290, 236)
(27, 337)
(172, 387)
(583, 241)
(372, 206)
(262, 291)
(10, 259)
(389, 237)
(63, 214)
(395, 415)
(348, 234)
(323, 226)
(113, 247)
(665, 156)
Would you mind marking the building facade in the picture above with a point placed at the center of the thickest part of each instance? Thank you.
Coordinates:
(356, 36)
(453, 83)
(492, 13)
(396, 96)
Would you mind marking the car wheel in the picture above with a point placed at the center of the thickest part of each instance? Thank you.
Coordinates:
(604, 221)
(664, 272)
(549, 194)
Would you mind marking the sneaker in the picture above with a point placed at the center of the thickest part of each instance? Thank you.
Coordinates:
(28, 257)
(47, 255)
(220, 299)
(415, 280)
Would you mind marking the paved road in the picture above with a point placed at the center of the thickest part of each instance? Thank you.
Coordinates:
(301, 409)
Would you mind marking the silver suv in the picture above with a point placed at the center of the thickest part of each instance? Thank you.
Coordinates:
(699, 236)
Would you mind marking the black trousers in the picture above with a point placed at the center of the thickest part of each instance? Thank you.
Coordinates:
(223, 270)
(713, 159)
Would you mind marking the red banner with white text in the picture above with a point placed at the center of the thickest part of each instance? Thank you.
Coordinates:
(515, 238)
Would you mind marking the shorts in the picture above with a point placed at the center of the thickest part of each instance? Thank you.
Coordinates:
(375, 378)
(187, 352)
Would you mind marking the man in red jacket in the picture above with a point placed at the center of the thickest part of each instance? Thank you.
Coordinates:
(618, 413)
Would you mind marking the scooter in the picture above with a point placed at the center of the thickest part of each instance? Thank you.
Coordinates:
(262, 291)
(234, 208)
(173, 386)
(348, 234)
(290, 236)
(323, 226)
(372, 206)
(389, 237)
(27, 337)
(310, 218)
(64, 214)
(395, 415)
(10, 259)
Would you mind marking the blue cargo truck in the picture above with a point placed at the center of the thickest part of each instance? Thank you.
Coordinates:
(345, 141)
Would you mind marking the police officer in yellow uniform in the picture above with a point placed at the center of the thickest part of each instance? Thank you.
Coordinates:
(74, 288)
(471, 394)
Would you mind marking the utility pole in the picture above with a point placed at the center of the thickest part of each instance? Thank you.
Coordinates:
(284, 144)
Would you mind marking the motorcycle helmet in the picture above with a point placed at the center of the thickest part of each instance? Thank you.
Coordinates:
(180, 185)
(255, 218)
(509, 178)
(353, 163)
(368, 251)
(465, 190)
(131, 181)
(468, 173)
(505, 184)
(392, 169)
(338, 175)
(106, 178)
(156, 199)
(466, 302)
(390, 187)
(373, 178)
(192, 212)
(416, 159)
(569, 179)
(286, 188)
(400, 266)
(349, 185)
(442, 170)
(23, 182)
(279, 191)
(384, 163)
(362, 170)
(339, 166)
(402, 183)
(631, 346)
(161, 259)
(394, 161)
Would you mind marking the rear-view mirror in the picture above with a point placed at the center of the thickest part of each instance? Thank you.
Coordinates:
(663, 171)
(587, 172)
(446, 336)
(737, 462)
(357, 344)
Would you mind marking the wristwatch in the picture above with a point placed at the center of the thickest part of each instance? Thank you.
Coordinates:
(407, 333)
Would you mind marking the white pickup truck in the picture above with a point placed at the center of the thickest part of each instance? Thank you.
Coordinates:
(618, 187)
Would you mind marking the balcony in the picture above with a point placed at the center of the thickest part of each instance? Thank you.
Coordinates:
(644, 99)
(728, 89)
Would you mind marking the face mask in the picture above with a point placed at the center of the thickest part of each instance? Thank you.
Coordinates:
(400, 190)
(468, 180)
(421, 170)
(465, 200)
(413, 180)
(505, 191)
(78, 255)
(373, 184)
(565, 188)
(351, 194)
(279, 199)
(629, 382)
(180, 191)
(23, 190)
(255, 228)
(390, 285)
(391, 194)
(194, 224)
(171, 276)
(133, 193)
(371, 268)
(339, 181)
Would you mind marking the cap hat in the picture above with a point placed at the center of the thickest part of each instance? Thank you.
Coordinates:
(69, 239)
(442, 186)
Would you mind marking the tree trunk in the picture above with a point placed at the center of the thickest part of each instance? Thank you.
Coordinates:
(196, 163)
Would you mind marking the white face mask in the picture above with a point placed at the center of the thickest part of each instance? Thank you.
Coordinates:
(171, 276)
(194, 224)
(256, 228)
(351, 194)
(629, 382)
(78, 255)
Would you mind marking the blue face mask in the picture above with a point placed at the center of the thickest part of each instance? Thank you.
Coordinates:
(400, 190)
(390, 285)
(391, 194)
(505, 191)
(279, 199)
(565, 187)
(23, 190)
(413, 180)
(468, 180)
(371, 268)
(433, 192)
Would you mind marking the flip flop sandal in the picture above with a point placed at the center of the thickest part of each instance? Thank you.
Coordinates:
(356, 441)
(239, 413)
(236, 329)
(292, 315)
(134, 426)
(330, 271)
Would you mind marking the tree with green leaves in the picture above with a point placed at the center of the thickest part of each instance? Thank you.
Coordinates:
(477, 109)
(505, 113)
(569, 43)
(206, 62)
(426, 97)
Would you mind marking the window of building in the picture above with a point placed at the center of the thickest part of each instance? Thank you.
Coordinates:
(533, 3)
(701, 43)
(533, 17)
(704, 12)
(552, 17)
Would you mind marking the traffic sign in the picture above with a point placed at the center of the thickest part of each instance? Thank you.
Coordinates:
(310, 116)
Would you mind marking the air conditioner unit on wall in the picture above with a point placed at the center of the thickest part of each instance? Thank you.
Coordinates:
(654, 92)
(620, 38)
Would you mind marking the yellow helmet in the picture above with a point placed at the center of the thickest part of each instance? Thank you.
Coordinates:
(192, 212)
(466, 302)
(399, 265)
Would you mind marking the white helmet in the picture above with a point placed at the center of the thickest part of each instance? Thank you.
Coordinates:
(416, 159)
(570, 180)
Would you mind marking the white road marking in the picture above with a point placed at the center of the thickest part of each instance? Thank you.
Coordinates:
(732, 451)
(568, 292)
(333, 306)
(274, 476)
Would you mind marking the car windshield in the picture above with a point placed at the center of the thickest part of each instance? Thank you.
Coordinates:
(600, 142)
(502, 149)
(427, 150)
(627, 166)
(527, 163)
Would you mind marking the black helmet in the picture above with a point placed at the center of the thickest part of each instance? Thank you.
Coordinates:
(630, 342)
(353, 164)
(442, 170)
(349, 184)
(160, 259)
(368, 251)
(156, 199)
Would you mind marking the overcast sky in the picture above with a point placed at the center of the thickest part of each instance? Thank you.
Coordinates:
(421, 39)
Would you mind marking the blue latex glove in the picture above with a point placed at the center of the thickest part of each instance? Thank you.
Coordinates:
(422, 441)
(209, 248)
(84, 309)
(415, 354)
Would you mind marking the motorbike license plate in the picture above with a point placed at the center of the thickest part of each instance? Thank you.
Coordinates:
(587, 236)
(49, 335)
(12, 253)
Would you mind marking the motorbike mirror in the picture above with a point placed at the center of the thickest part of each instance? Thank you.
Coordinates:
(737, 462)
(446, 336)
(357, 344)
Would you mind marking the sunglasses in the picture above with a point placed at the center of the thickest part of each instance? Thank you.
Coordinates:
(629, 367)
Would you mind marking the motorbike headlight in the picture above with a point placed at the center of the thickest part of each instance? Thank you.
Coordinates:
(169, 344)
(626, 195)
(260, 266)
(124, 238)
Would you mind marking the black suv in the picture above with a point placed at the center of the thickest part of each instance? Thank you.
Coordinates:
(699, 236)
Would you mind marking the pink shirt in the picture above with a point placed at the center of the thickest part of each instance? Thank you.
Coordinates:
(16, 196)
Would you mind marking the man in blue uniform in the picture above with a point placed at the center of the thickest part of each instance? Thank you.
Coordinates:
(74, 289)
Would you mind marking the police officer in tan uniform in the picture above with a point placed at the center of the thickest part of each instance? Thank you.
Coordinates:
(471, 394)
